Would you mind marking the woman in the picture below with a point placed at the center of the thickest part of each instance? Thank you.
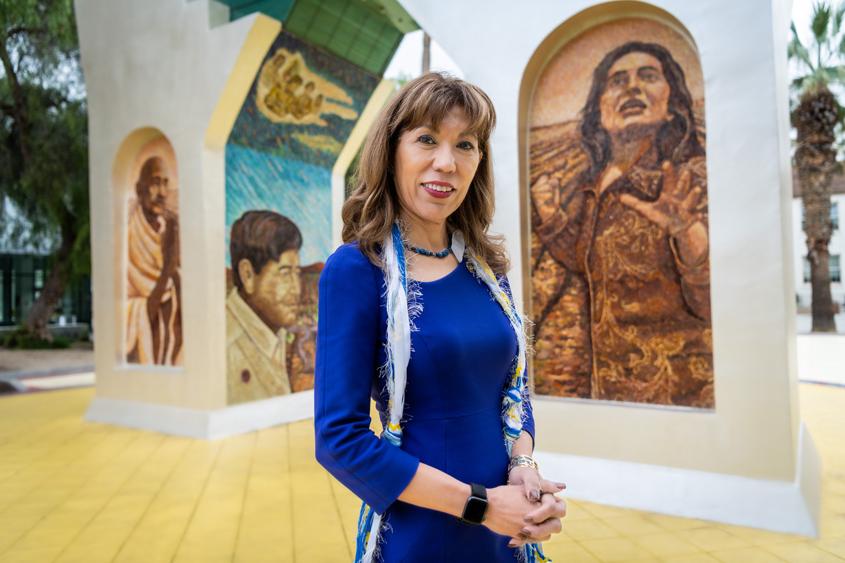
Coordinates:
(452, 396)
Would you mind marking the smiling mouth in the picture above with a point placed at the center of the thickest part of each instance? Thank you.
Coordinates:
(438, 189)
(632, 106)
(445, 188)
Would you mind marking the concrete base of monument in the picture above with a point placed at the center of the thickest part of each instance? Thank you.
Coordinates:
(821, 358)
(780, 506)
(207, 425)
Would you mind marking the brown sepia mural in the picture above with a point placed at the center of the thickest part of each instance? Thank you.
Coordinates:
(263, 305)
(153, 289)
(619, 226)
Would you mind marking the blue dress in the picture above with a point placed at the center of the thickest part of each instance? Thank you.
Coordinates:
(462, 351)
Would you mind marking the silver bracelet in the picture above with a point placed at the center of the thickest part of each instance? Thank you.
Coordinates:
(523, 461)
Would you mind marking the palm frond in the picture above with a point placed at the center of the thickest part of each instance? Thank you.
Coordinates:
(835, 74)
(813, 83)
(825, 76)
(820, 21)
(838, 15)
(840, 49)
(796, 50)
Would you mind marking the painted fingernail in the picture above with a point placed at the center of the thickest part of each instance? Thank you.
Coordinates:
(535, 495)
(561, 485)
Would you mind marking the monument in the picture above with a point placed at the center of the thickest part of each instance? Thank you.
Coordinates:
(643, 186)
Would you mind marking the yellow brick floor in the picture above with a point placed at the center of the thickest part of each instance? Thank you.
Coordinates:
(71, 490)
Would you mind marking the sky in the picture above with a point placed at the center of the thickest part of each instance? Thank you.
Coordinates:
(802, 11)
(408, 58)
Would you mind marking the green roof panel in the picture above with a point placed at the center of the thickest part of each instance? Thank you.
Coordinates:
(364, 32)
(278, 9)
(399, 18)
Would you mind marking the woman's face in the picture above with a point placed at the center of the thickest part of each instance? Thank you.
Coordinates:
(434, 168)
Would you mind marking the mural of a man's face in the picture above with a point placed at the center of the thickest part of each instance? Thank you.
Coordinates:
(273, 292)
(153, 186)
(636, 94)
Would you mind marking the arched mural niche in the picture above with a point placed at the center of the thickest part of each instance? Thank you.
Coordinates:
(148, 275)
(616, 194)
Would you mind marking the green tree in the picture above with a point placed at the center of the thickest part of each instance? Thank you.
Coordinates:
(817, 118)
(43, 141)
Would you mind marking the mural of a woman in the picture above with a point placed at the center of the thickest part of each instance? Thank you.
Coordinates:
(620, 229)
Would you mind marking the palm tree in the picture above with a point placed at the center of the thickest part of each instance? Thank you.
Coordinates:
(816, 117)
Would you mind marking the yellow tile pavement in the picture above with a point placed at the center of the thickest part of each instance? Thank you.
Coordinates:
(666, 544)
(74, 491)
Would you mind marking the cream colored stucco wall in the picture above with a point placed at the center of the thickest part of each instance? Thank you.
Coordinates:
(157, 67)
(754, 428)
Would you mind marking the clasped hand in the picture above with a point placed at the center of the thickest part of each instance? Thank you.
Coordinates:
(526, 509)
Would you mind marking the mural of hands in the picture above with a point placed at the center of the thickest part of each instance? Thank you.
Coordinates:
(677, 211)
(546, 196)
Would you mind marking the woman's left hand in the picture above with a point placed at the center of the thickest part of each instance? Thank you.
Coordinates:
(532, 483)
(544, 520)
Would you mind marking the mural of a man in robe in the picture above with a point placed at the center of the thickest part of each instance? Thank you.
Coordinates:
(153, 293)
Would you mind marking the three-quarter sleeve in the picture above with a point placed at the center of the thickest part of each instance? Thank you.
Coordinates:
(348, 343)
(528, 418)
(527, 410)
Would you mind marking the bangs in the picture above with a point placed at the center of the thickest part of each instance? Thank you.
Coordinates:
(428, 102)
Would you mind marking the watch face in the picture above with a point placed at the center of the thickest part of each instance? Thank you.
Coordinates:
(475, 509)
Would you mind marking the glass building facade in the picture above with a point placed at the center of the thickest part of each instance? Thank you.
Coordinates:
(22, 277)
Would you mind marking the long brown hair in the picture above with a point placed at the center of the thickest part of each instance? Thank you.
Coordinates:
(676, 139)
(373, 206)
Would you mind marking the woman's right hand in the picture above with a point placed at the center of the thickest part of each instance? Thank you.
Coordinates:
(507, 507)
(544, 521)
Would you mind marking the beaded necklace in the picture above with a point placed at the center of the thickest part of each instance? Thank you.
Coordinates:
(424, 252)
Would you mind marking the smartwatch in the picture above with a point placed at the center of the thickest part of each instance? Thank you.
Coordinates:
(476, 506)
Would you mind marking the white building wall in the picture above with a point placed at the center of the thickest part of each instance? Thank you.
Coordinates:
(799, 245)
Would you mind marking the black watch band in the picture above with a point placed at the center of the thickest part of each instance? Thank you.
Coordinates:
(476, 506)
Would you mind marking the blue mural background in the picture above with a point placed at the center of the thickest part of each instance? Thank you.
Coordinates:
(286, 167)
(298, 190)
